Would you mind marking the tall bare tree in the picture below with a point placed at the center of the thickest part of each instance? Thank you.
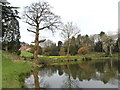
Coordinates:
(40, 17)
(108, 43)
(69, 30)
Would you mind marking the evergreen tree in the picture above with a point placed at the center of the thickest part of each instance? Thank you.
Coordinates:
(98, 47)
(73, 47)
(59, 46)
(10, 28)
(54, 50)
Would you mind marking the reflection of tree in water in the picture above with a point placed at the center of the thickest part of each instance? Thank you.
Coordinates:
(60, 71)
(99, 66)
(81, 71)
(37, 82)
(36, 79)
(69, 82)
(104, 71)
(46, 85)
(117, 65)
(48, 71)
(109, 72)
(87, 71)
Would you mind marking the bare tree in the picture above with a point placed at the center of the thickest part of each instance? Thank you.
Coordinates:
(108, 43)
(47, 43)
(40, 16)
(68, 31)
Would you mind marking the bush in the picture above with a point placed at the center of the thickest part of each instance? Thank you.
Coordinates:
(32, 49)
(62, 52)
(83, 50)
(18, 52)
(87, 59)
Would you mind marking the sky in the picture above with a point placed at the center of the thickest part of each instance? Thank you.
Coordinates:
(91, 16)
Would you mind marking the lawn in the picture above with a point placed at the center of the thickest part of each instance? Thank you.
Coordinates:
(26, 54)
(52, 59)
(13, 71)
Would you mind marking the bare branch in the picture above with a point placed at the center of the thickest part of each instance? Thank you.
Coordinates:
(40, 41)
(32, 42)
(44, 27)
(31, 31)
(30, 17)
(30, 23)
(50, 26)
(69, 30)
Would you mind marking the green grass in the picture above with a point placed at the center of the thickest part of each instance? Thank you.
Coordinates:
(78, 62)
(11, 71)
(14, 69)
(60, 57)
(63, 59)
(94, 55)
(26, 54)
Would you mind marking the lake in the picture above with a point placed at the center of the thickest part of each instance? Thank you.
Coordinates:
(85, 75)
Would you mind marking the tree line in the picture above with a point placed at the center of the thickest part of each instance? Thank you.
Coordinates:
(82, 44)
(40, 17)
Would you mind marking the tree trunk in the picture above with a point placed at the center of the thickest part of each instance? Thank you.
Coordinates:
(36, 47)
(110, 51)
(6, 46)
(68, 49)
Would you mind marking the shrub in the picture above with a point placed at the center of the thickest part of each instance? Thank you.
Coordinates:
(62, 52)
(83, 50)
(87, 59)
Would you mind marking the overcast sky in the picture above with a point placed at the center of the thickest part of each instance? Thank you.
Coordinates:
(91, 16)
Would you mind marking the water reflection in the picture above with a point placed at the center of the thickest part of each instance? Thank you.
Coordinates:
(85, 75)
(36, 79)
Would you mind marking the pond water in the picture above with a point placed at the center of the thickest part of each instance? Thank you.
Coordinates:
(84, 75)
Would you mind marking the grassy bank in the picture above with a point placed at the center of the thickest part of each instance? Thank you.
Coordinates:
(14, 68)
(26, 54)
(14, 71)
(61, 59)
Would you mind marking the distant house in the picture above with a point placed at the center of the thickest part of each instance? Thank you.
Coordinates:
(24, 48)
